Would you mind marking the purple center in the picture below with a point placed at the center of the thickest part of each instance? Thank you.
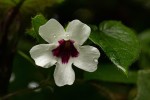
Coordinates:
(65, 50)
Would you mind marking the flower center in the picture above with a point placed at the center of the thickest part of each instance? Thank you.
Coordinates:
(65, 50)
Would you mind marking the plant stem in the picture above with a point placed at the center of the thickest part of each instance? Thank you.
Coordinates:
(7, 49)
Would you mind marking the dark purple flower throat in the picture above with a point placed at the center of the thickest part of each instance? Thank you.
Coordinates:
(65, 50)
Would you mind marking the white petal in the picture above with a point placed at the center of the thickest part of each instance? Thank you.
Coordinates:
(87, 59)
(64, 74)
(78, 31)
(42, 55)
(52, 31)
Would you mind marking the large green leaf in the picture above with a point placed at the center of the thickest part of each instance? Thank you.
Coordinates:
(118, 42)
(143, 85)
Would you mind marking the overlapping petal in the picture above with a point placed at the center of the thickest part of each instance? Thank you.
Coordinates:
(88, 58)
(52, 31)
(64, 74)
(78, 31)
(42, 55)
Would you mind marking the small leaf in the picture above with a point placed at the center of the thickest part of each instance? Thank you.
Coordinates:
(31, 32)
(37, 21)
(143, 85)
(118, 42)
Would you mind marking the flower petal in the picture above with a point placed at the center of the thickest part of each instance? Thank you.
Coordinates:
(42, 54)
(78, 31)
(64, 74)
(87, 59)
(52, 31)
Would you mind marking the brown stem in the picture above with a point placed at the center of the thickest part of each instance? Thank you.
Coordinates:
(7, 51)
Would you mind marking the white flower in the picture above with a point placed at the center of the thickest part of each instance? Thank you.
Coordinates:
(64, 49)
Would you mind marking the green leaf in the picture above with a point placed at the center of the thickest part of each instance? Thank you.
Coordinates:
(118, 42)
(109, 73)
(37, 21)
(143, 85)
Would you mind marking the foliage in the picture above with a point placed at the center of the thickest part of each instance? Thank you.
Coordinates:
(118, 42)
(123, 69)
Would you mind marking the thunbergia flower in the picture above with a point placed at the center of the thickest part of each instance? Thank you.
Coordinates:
(64, 49)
